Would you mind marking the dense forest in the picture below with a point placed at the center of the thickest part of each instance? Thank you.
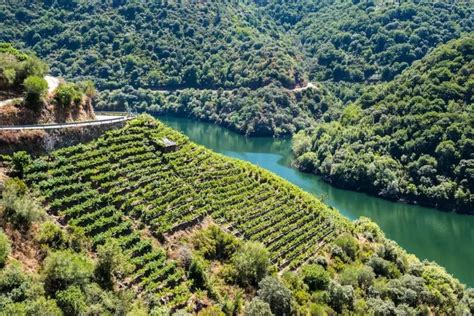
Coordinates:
(134, 50)
(411, 139)
(103, 228)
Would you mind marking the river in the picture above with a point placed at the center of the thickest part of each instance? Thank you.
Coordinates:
(447, 238)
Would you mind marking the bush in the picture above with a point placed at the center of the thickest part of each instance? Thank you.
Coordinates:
(35, 89)
(315, 277)
(276, 294)
(65, 268)
(14, 282)
(257, 307)
(251, 263)
(51, 235)
(357, 276)
(19, 207)
(72, 301)
(68, 93)
(43, 306)
(19, 161)
(111, 264)
(213, 243)
(341, 297)
(197, 274)
(349, 245)
(5, 248)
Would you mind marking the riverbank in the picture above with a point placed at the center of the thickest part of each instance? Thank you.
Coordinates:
(446, 238)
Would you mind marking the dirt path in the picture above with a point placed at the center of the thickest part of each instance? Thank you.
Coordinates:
(309, 85)
(53, 83)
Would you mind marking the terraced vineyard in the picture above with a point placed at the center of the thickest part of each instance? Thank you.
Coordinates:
(126, 180)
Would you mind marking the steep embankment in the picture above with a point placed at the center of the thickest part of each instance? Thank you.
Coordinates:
(32, 97)
(139, 184)
(411, 139)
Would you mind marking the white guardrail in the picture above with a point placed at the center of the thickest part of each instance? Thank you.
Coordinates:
(102, 121)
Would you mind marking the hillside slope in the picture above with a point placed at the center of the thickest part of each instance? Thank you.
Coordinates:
(411, 139)
(28, 96)
(151, 44)
(134, 187)
(134, 50)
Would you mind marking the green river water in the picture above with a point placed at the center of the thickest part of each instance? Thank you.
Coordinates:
(447, 238)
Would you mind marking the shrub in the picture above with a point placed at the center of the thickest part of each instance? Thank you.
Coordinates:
(19, 161)
(213, 243)
(257, 307)
(251, 263)
(111, 264)
(341, 297)
(14, 282)
(272, 291)
(68, 93)
(51, 235)
(19, 207)
(5, 248)
(197, 274)
(349, 245)
(43, 306)
(65, 268)
(315, 277)
(72, 301)
(35, 89)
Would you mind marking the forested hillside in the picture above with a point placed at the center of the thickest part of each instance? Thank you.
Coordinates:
(155, 44)
(134, 50)
(136, 223)
(411, 139)
(356, 41)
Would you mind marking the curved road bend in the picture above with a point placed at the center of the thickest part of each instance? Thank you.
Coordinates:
(100, 120)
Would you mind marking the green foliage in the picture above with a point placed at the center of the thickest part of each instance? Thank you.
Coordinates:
(112, 264)
(251, 263)
(52, 236)
(349, 245)
(68, 94)
(16, 66)
(197, 273)
(19, 207)
(257, 307)
(341, 297)
(272, 291)
(5, 248)
(315, 277)
(215, 244)
(43, 306)
(35, 89)
(409, 139)
(65, 268)
(72, 301)
(19, 161)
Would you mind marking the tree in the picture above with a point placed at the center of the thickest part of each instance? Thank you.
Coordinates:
(315, 277)
(64, 268)
(251, 263)
(67, 94)
(35, 89)
(112, 264)
(341, 297)
(257, 307)
(272, 291)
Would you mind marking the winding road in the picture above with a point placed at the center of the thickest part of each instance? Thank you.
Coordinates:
(309, 85)
(100, 120)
